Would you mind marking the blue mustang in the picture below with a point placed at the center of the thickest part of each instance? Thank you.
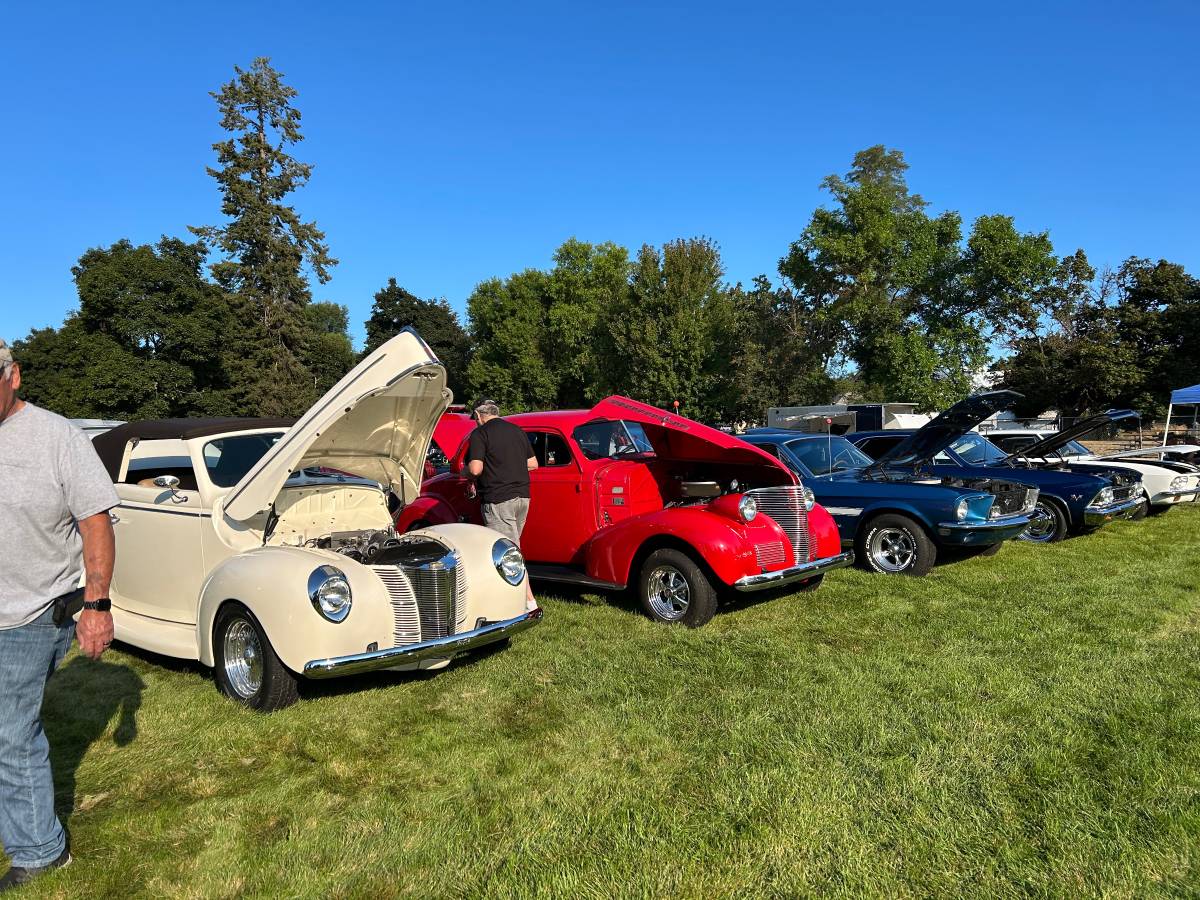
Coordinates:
(899, 521)
(1070, 501)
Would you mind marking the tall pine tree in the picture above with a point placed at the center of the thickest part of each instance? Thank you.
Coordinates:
(265, 248)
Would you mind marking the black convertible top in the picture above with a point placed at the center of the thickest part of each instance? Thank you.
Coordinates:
(110, 446)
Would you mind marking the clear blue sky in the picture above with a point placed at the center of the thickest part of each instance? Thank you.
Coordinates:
(458, 141)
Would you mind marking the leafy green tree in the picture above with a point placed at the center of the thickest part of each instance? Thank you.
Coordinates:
(508, 329)
(145, 343)
(329, 353)
(586, 281)
(395, 309)
(265, 249)
(667, 339)
(915, 308)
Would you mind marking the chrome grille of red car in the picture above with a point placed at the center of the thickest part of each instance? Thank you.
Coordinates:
(406, 628)
(786, 506)
(769, 554)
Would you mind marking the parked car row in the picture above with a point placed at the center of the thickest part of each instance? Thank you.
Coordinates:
(275, 551)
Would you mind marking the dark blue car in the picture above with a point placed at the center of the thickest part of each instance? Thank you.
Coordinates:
(1069, 501)
(897, 521)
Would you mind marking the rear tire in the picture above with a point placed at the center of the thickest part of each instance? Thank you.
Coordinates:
(673, 589)
(892, 544)
(245, 666)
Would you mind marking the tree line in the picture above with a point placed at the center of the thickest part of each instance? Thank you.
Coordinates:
(878, 298)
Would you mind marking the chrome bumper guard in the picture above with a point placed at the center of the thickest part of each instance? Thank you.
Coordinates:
(1098, 515)
(439, 648)
(802, 572)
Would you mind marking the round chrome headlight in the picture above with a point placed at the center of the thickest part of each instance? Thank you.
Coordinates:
(747, 508)
(810, 499)
(329, 592)
(509, 562)
(1179, 483)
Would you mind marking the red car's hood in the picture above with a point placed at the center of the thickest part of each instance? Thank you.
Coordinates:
(676, 438)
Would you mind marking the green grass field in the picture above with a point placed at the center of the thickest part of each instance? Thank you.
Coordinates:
(1027, 724)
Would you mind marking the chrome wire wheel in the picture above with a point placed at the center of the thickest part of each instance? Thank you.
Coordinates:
(668, 594)
(892, 549)
(1041, 527)
(243, 658)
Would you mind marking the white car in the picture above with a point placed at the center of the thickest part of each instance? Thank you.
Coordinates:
(1164, 482)
(265, 549)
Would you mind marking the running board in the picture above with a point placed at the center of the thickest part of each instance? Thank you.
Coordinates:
(566, 575)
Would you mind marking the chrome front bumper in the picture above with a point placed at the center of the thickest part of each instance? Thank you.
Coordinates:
(802, 572)
(1174, 496)
(1098, 515)
(990, 525)
(439, 648)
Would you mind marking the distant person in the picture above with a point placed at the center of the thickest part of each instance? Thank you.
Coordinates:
(499, 460)
(54, 500)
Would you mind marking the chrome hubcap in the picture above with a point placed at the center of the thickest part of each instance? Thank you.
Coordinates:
(667, 591)
(243, 658)
(1041, 525)
(893, 549)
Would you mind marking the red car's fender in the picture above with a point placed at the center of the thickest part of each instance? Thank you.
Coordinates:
(442, 502)
(725, 545)
(823, 533)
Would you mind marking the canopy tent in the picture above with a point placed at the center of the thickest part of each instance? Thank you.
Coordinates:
(1188, 396)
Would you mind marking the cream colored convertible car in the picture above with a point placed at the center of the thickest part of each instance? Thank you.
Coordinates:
(265, 549)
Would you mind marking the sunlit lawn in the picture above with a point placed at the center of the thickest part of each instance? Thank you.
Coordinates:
(1024, 724)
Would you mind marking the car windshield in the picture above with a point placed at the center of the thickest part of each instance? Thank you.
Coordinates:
(974, 449)
(228, 459)
(606, 440)
(824, 455)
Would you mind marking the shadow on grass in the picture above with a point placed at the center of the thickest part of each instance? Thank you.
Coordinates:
(81, 699)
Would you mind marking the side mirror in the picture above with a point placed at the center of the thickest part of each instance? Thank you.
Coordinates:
(170, 482)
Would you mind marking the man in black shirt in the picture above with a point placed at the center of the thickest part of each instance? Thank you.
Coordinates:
(499, 459)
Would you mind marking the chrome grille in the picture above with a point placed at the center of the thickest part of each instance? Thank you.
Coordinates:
(406, 622)
(786, 506)
(768, 554)
(436, 587)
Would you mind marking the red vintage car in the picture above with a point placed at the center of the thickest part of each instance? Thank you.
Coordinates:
(628, 495)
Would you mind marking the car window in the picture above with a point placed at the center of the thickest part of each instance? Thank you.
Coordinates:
(828, 455)
(549, 449)
(143, 471)
(1010, 443)
(877, 446)
(228, 459)
(606, 440)
(975, 450)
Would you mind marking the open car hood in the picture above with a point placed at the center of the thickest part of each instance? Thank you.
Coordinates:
(936, 435)
(676, 438)
(1055, 442)
(376, 422)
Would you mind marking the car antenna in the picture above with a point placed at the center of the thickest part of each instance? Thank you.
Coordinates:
(829, 441)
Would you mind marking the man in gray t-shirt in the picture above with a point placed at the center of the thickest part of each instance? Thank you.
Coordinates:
(54, 500)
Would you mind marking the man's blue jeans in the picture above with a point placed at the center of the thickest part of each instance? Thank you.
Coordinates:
(31, 832)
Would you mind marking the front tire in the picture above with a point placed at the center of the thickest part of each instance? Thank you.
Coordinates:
(673, 589)
(896, 545)
(1047, 524)
(245, 667)
(1142, 511)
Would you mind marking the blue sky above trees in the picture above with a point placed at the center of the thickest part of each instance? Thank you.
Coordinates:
(468, 141)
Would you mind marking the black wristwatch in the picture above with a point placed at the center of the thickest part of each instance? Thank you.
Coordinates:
(101, 605)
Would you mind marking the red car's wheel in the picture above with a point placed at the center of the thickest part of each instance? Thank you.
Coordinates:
(672, 588)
